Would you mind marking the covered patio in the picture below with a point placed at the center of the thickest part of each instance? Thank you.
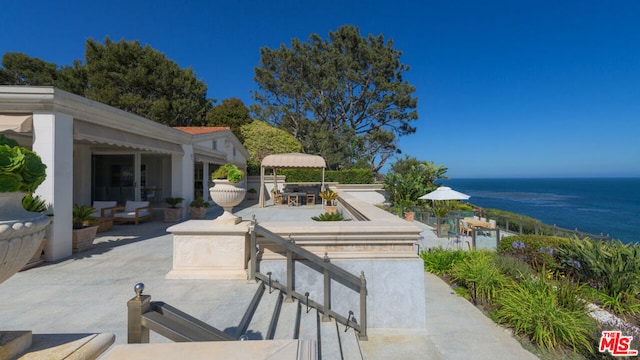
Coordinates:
(288, 161)
(97, 152)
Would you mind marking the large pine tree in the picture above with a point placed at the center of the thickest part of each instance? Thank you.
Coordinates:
(343, 97)
(144, 81)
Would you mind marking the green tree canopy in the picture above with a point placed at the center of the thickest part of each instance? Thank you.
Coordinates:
(232, 113)
(144, 81)
(21, 69)
(262, 139)
(410, 178)
(343, 98)
(122, 74)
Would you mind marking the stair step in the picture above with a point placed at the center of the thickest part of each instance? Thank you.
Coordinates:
(287, 322)
(308, 324)
(349, 343)
(251, 309)
(259, 326)
(330, 341)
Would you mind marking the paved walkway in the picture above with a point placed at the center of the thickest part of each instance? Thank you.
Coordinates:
(87, 293)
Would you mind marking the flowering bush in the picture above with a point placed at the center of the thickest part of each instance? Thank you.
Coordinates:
(536, 250)
(20, 168)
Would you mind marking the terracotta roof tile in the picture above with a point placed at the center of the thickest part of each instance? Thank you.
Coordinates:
(195, 130)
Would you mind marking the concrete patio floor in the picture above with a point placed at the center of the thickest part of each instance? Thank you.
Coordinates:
(88, 292)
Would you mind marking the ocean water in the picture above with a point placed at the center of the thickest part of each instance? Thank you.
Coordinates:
(593, 205)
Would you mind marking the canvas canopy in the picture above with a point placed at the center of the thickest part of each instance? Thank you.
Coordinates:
(288, 161)
(20, 123)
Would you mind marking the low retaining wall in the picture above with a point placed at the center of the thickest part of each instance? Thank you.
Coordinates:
(382, 247)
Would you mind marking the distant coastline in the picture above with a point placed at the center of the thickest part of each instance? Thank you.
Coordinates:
(594, 205)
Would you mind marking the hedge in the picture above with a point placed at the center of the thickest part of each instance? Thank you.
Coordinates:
(352, 176)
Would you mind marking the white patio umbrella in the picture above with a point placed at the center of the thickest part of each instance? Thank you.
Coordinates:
(444, 193)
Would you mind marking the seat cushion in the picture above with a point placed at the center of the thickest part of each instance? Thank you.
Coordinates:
(133, 205)
(131, 214)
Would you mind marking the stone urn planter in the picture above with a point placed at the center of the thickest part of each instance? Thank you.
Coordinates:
(227, 195)
(21, 234)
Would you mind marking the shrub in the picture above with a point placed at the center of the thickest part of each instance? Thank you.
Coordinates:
(548, 312)
(329, 217)
(351, 176)
(229, 172)
(515, 221)
(623, 303)
(613, 267)
(479, 271)
(440, 261)
(512, 267)
(538, 251)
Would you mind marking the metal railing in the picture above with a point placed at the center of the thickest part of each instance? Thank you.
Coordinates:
(514, 224)
(145, 315)
(329, 270)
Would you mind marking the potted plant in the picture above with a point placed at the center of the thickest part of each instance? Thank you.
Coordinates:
(198, 208)
(329, 196)
(173, 213)
(225, 192)
(251, 194)
(440, 209)
(408, 205)
(21, 172)
(83, 232)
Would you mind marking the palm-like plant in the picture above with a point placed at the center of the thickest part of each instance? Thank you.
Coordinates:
(81, 214)
(173, 201)
(330, 196)
(328, 217)
(613, 266)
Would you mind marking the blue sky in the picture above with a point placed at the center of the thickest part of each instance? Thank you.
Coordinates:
(504, 88)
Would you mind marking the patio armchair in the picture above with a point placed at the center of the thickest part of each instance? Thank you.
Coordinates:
(277, 198)
(104, 209)
(133, 211)
(464, 228)
(311, 199)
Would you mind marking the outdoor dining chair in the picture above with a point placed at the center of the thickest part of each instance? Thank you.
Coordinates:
(293, 200)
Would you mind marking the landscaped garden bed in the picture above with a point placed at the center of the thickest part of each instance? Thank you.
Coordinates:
(557, 295)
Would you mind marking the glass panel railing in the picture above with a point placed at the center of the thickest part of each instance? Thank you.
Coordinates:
(485, 239)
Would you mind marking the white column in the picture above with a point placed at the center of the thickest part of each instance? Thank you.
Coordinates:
(205, 181)
(182, 181)
(53, 142)
(137, 189)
